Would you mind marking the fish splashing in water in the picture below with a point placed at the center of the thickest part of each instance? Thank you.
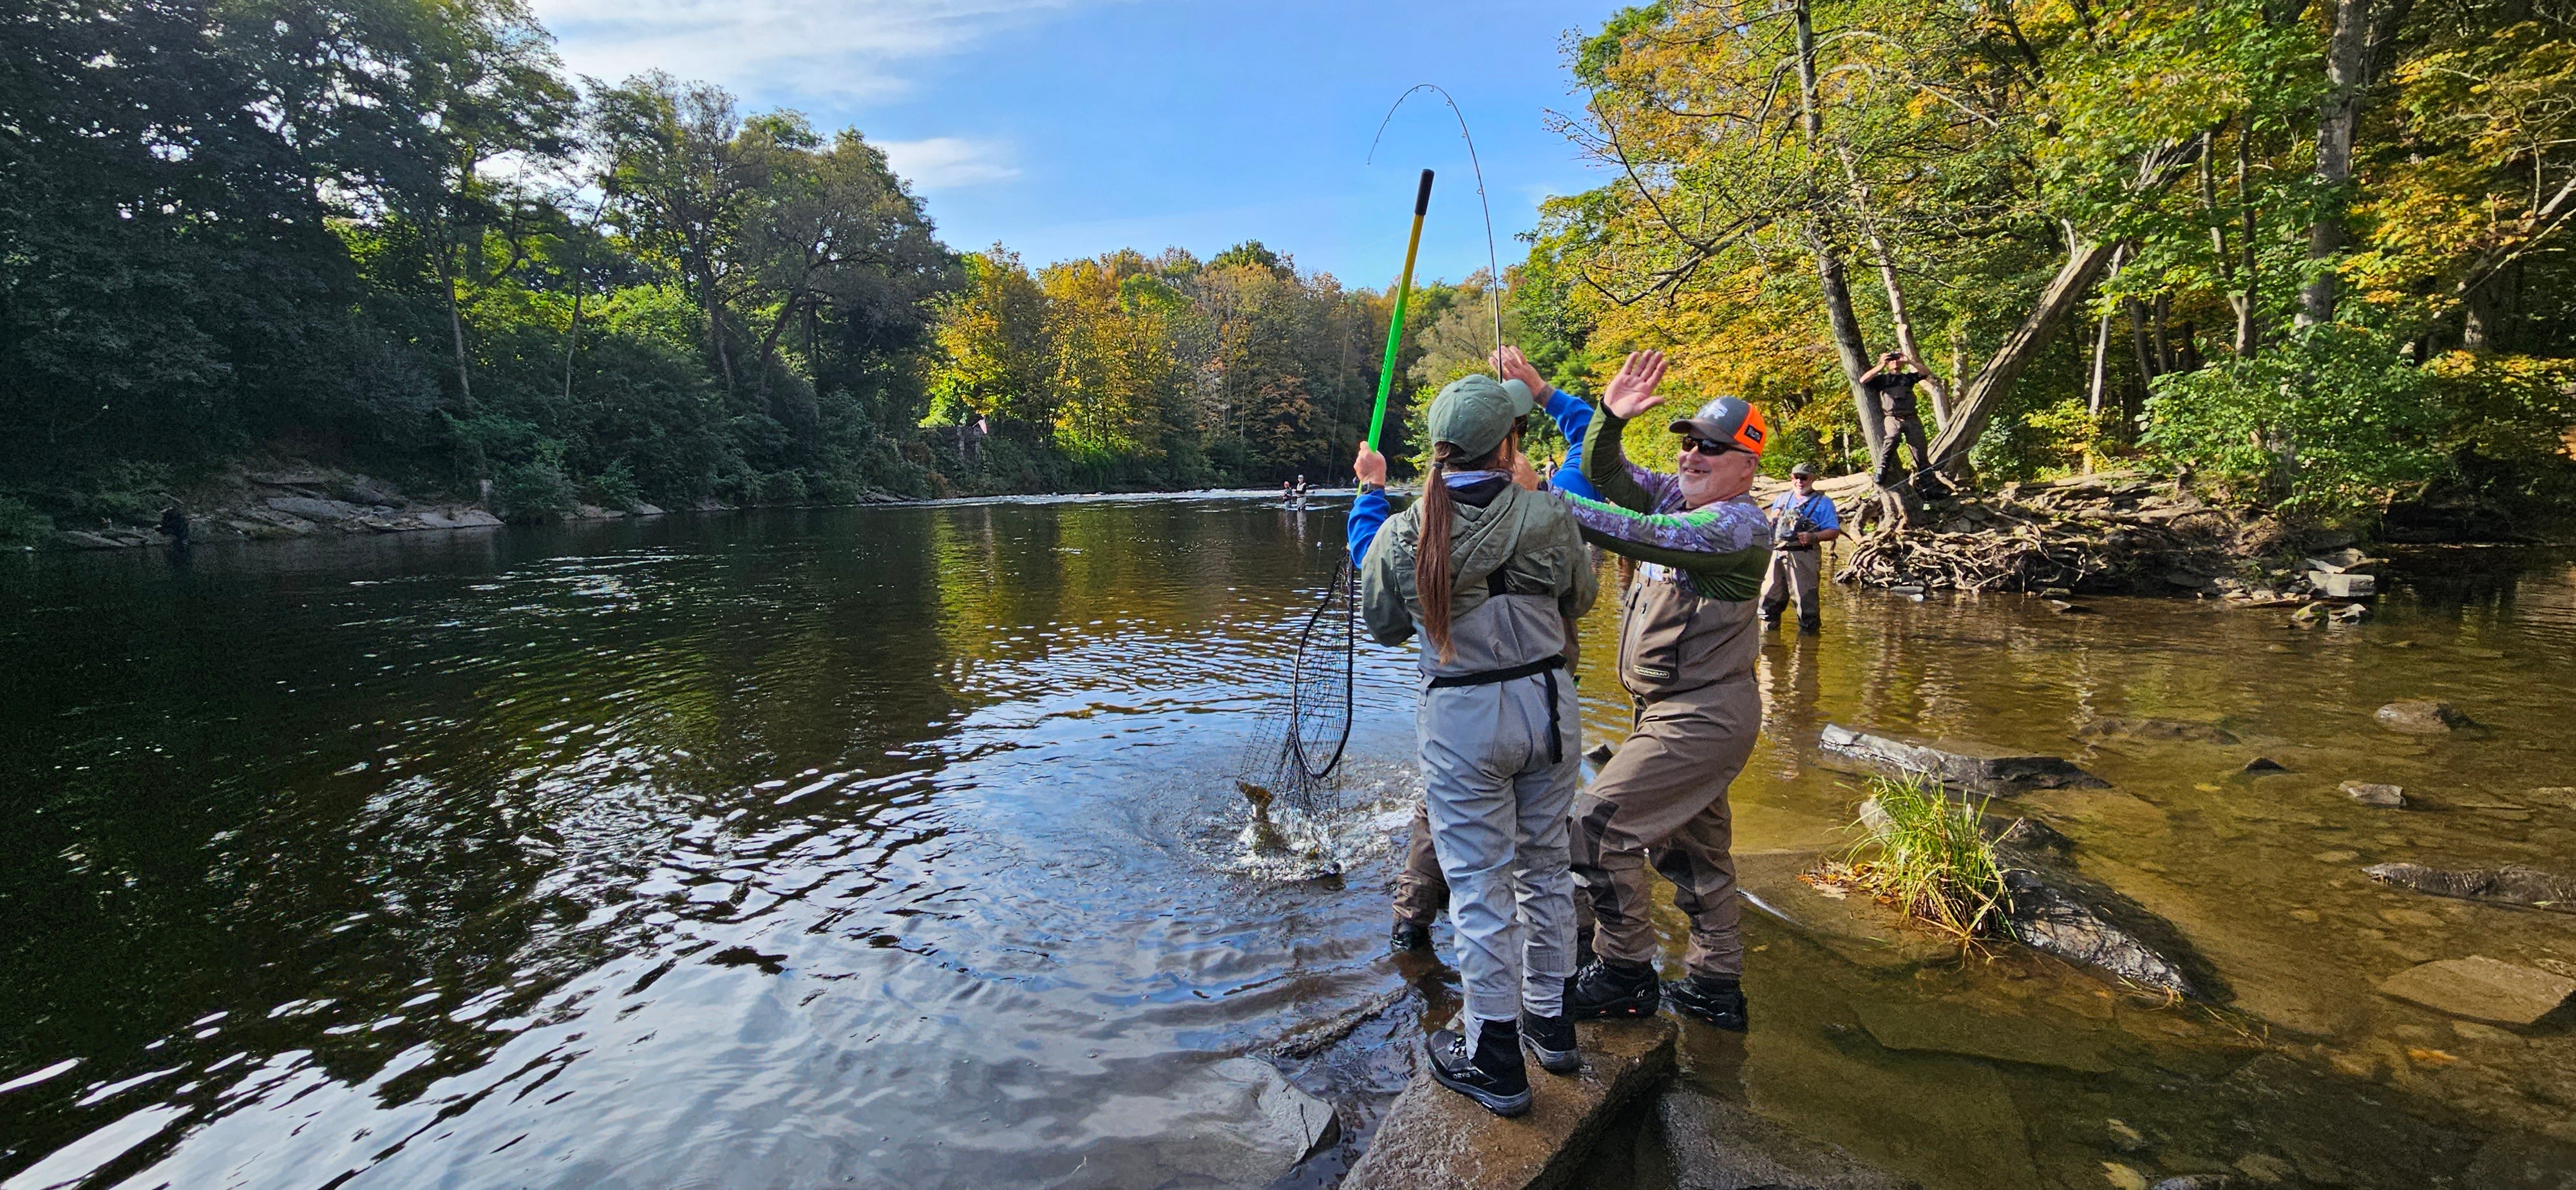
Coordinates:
(1286, 844)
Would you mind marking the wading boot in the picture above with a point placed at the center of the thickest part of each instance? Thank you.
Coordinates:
(1487, 1069)
(1717, 999)
(1551, 1041)
(1409, 937)
(1607, 990)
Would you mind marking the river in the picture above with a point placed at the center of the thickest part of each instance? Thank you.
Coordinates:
(899, 847)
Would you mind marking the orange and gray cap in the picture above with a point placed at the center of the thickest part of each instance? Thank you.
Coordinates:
(1730, 420)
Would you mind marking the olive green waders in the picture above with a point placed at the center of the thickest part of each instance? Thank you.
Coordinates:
(1660, 802)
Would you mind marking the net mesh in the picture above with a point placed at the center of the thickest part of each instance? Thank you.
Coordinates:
(1297, 757)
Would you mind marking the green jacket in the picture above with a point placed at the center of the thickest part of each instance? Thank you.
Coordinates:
(1528, 538)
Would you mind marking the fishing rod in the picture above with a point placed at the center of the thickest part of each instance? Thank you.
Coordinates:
(1493, 265)
(1395, 325)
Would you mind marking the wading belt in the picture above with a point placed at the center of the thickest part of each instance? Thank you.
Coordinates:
(1546, 667)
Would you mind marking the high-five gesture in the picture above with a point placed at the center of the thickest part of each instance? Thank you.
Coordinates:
(1514, 366)
(1632, 391)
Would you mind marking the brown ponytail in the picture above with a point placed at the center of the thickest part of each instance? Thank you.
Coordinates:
(1431, 550)
(1432, 582)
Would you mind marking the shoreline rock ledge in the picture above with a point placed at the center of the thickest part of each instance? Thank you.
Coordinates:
(1976, 768)
(1436, 1139)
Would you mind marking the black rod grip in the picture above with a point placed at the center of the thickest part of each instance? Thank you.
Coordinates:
(1422, 197)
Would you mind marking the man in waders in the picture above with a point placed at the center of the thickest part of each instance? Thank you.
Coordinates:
(1420, 893)
(1687, 643)
(1801, 519)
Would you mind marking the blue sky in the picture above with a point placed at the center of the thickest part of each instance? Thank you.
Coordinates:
(1066, 128)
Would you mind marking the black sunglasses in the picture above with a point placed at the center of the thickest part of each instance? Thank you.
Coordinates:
(1706, 446)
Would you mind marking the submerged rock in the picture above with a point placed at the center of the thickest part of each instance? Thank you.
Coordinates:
(2419, 716)
(2511, 884)
(2157, 729)
(2482, 989)
(1716, 1144)
(1954, 1029)
(2264, 764)
(2373, 794)
(1976, 768)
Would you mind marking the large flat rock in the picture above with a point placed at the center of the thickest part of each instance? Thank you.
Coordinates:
(1719, 1145)
(1436, 1139)
(2482, 989)
(1977, 768)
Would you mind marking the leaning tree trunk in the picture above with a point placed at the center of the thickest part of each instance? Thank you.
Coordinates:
(1835, 283)
(1978, 401)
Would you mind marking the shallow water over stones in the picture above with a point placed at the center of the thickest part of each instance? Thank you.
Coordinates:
(899, 847)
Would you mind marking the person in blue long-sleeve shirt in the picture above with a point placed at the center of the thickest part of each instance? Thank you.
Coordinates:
(1573, 417)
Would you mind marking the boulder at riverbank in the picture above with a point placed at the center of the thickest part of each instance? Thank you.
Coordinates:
(1974, 768)
(307, 500)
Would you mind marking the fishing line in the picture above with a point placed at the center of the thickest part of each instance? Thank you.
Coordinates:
(1493, 266)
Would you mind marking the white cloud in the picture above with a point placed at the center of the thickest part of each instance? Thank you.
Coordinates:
(949, 162)
(842, 48)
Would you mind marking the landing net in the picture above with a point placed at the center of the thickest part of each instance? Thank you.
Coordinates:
(1297, 755)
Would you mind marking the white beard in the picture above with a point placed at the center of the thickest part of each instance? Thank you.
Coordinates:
(1698, 487)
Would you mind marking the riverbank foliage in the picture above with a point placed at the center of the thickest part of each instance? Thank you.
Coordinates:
(395, 234)
(2315, 253)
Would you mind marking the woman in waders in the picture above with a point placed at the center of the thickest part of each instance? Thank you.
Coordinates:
(1489, 573)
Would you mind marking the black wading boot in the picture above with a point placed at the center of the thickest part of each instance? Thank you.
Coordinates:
(1551, 1041)
(1487, 1069)
(1717, 999)
(1607, 990)
(1409, 937)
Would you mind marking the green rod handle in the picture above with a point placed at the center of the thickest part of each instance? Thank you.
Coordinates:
(1395, 326)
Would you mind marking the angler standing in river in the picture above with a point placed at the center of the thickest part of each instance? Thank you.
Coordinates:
(1489, 574)
(1801, 519)
(1687, 642)
(1420, 893)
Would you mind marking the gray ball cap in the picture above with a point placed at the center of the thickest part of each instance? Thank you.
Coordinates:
(1803, 471)
(1474, 412)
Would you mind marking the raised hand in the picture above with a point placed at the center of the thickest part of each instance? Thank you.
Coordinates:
(1370, 467)
(1515, 366)
(1632, 391)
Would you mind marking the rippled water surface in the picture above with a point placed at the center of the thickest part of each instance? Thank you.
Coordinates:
(899, 847)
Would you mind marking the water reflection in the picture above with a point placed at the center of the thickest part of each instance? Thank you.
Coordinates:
(877, 847)
(896, 846)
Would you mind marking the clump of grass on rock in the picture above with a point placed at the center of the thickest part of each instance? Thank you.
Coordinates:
(1926, 855)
